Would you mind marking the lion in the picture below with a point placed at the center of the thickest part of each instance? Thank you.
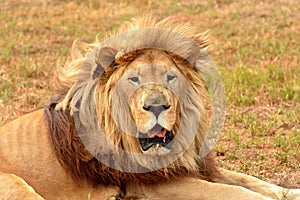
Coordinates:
(128, 120)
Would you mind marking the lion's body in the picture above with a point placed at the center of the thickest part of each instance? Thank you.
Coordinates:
(149, 102)
(26, 151)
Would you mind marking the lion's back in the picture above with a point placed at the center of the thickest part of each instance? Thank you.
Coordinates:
(23, 141)
(25, 150)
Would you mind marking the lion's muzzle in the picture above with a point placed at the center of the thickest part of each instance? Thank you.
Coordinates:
(153, 108)
(158, 136)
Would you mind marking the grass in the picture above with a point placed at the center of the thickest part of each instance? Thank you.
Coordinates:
(255, 44)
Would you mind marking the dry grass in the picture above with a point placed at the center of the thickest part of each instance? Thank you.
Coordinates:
(255, 44)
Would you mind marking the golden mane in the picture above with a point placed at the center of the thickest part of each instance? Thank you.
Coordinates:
(65, 77)
(83, 89)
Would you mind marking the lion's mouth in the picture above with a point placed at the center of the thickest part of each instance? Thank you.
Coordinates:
(157, 136)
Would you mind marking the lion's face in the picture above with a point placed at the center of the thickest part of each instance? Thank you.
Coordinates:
(152, 85)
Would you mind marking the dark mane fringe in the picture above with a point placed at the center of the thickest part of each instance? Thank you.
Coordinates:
(81, 165)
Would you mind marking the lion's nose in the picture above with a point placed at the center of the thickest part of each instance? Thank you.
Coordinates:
(156, 103)
(156, 110)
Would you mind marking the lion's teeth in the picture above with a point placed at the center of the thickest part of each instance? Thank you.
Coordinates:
(164, 140)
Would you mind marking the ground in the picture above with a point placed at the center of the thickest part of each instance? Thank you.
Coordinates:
(255, 44)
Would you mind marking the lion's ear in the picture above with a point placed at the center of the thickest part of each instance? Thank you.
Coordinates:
(105, 56)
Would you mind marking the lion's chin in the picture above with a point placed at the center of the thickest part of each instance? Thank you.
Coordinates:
(159, 144)
(157, 151)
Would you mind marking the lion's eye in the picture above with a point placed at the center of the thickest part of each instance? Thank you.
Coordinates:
(134, 80)
(171, 78)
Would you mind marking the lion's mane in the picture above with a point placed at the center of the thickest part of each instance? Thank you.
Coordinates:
(88, 75)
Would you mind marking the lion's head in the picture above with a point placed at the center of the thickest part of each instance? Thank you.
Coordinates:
(151, 97)
(137, 102)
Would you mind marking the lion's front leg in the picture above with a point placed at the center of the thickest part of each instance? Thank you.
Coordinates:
(14, 187)
(191, 188)
(256, 185)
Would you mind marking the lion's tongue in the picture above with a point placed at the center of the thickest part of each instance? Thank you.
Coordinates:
(158, 131)
(162, 133)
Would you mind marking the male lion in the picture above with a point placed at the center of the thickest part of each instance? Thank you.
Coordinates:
(128, 120)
